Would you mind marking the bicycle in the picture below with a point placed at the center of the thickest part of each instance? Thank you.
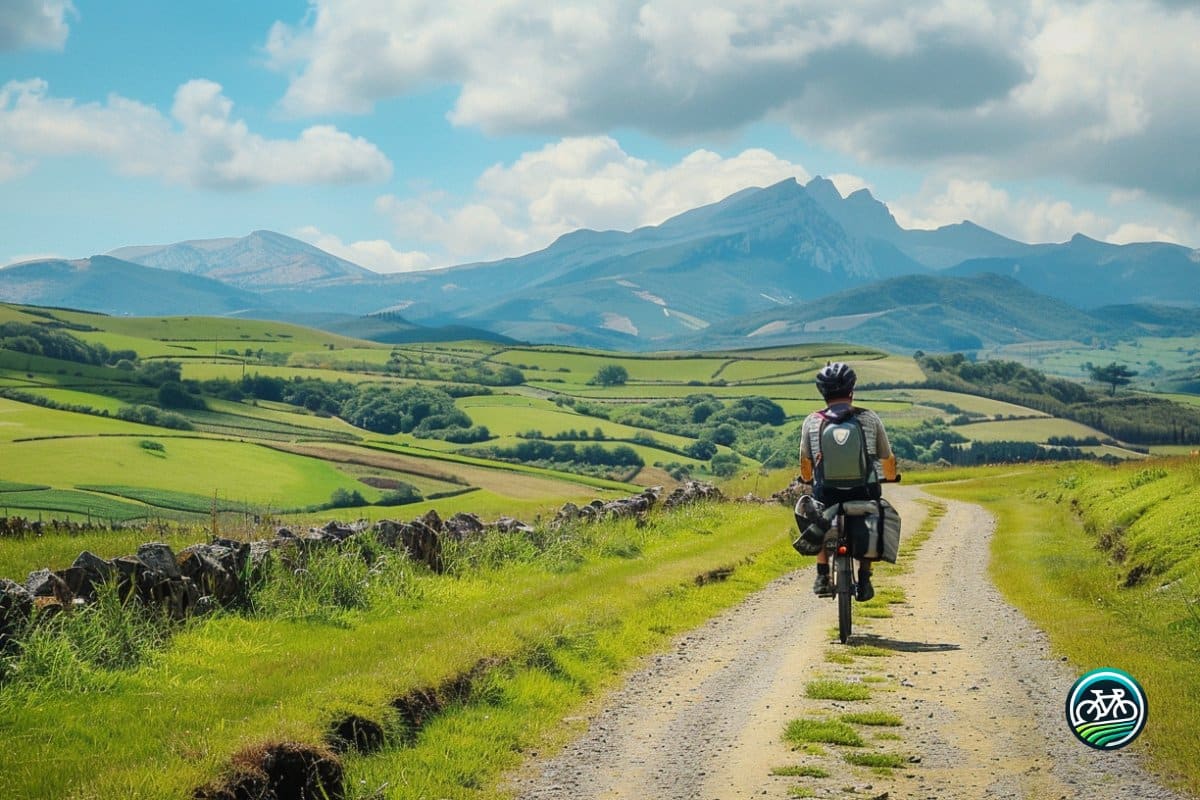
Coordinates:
(841, 562)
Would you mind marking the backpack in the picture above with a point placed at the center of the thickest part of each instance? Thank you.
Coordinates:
(844, 463)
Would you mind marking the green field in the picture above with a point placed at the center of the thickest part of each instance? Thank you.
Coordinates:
(1152, 357)
(275, 456)
(588, 600)
(242, 471)
(1036, 430)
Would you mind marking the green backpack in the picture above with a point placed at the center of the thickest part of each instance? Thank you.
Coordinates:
(844, 462)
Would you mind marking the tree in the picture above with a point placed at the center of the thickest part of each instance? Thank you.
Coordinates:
(1114, 375)
(611, 375)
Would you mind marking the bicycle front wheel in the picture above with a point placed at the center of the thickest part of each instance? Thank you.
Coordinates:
(844, 589)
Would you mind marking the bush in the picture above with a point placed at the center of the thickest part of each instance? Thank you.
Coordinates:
(400, 495)
(344, 498)
(610, 375)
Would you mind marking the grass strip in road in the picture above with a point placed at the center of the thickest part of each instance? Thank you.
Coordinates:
(805, 771)
(230, 683)
(828, 689)
(821, 730)
(1053, 570)
(875, 760)
(872, 718)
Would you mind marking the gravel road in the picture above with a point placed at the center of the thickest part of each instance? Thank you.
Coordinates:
(978, 690)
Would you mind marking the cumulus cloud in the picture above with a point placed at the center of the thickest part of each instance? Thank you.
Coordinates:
(34, 23)
(374, 254)
(577, 182)
(199, 144)
(1101, 91)
(1033, 217)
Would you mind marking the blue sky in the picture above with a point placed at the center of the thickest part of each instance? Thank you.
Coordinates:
(417, 134)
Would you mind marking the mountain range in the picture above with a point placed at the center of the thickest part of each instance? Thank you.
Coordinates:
(782, 263)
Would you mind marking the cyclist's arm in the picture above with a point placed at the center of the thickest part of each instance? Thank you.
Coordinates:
(806, 459)
(883, 451)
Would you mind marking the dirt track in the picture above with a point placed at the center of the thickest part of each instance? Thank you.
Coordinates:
(978, 690)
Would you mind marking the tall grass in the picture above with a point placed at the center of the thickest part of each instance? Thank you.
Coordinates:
(323, 585)
(282, 672)
(77, 650)
(1051, 558)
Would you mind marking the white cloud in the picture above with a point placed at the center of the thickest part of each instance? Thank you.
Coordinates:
(199, 144)
(374, 254)
(21, 258)
(586, 182)
(848, 184)
(1139, 232)
(11, 167)
(1028, 219)
(1038, 218)
(1098, 91)
(34, 23)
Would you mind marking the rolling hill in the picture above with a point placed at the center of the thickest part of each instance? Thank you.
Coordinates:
(1088, 273)
(113, 286)
(932, 312)
(261, 260)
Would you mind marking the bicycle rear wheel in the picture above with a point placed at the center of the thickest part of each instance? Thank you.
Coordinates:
(844, 589)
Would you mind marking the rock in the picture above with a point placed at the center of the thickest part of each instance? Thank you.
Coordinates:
(692, 492)
(511, 525)
(463, 526)
(160, 558)
(16, 606)
(215, 570)
(87, 574)
(337, 531)
(44, 583)
(418, 539)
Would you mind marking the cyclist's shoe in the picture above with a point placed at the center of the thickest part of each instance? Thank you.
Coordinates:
(822, 587)
(865, 590)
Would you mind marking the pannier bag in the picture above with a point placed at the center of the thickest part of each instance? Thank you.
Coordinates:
(813, 526)
(874, 528)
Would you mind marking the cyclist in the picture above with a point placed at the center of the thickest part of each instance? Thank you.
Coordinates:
(835, 382)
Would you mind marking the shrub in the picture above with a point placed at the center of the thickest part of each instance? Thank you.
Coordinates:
(344, 498)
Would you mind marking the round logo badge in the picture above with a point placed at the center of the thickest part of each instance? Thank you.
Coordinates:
(1106, 709)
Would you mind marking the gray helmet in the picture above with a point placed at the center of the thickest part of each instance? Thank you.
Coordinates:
(836, 380)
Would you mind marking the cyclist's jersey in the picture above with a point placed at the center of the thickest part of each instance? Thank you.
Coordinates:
(879, 450)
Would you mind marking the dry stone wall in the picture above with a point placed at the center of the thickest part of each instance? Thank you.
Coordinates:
(221, 572)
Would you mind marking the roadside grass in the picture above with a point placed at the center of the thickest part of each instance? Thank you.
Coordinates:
(1046, 563)
(556, 635)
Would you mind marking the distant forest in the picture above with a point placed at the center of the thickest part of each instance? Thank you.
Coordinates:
(1136, 418)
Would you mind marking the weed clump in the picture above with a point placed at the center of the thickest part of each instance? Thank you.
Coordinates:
(817, 730)
(825, 689)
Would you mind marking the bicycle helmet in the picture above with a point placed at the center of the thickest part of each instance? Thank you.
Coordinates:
(836, 380)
